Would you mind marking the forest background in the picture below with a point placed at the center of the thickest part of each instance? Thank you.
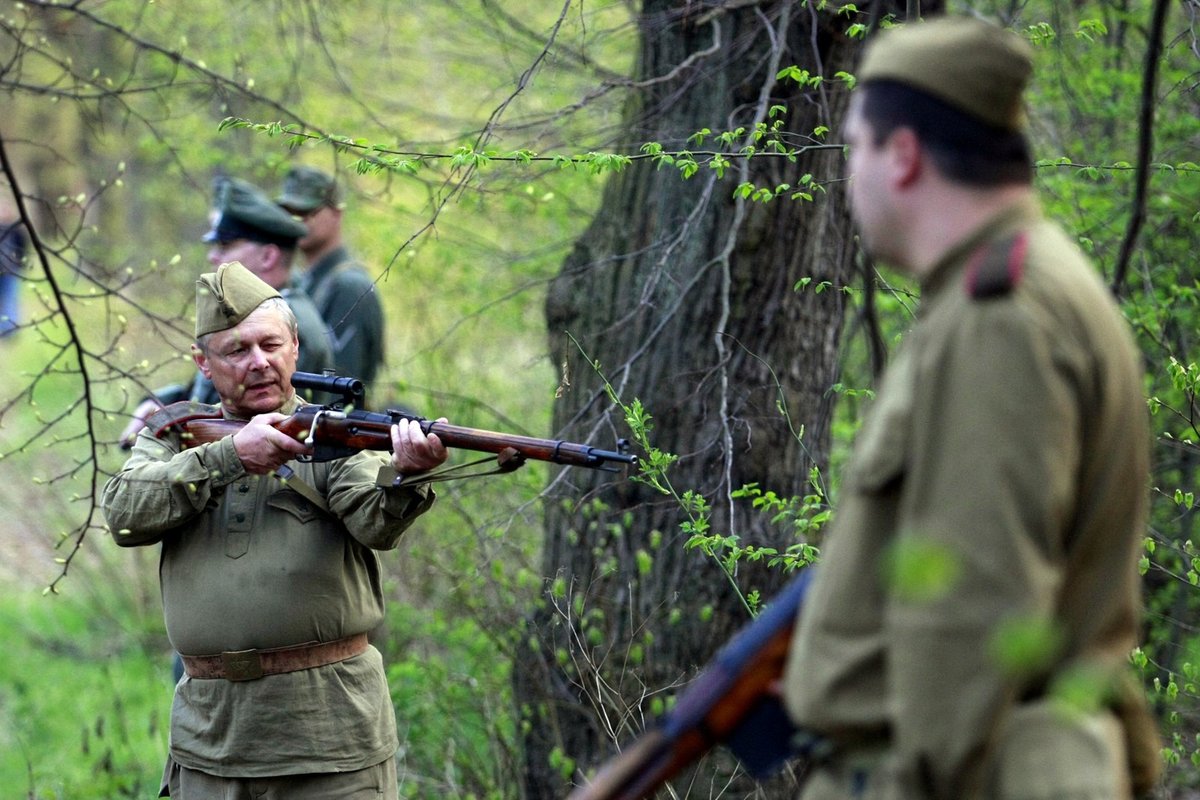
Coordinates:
(572, 236)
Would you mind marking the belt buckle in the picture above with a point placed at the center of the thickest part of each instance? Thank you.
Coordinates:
(242, 665)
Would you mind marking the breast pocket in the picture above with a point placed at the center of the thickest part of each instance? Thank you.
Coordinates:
(294, 506)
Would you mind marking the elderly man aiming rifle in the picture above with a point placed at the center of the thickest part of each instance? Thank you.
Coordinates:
(269, 573)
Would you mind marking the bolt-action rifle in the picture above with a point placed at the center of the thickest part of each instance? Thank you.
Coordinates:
(342, 428)
(733, 702)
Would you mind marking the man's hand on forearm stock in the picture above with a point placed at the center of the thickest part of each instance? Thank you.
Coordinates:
(413, 451)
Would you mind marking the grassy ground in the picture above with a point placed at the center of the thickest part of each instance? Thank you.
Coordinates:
(83, 703)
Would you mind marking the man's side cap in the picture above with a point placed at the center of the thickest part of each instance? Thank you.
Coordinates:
(974, 66)
(226, 297)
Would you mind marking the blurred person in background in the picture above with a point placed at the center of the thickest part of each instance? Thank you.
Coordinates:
(341, 288)
(13, 244)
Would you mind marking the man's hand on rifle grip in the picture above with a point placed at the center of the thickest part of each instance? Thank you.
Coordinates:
(263, 448)
(413, 451)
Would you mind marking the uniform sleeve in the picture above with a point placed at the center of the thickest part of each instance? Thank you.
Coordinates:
(994, 453)
(376, 516)
(161, 487)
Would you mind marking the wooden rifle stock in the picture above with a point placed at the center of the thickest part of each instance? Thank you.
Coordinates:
(732, 702)
(334, 433)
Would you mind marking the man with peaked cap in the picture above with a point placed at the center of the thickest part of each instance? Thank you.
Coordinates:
(343, 291)
(968, 631)
(247, 227)
(269, 585)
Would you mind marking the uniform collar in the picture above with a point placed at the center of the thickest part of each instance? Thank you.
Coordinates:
(287, 408)
(1021, 213)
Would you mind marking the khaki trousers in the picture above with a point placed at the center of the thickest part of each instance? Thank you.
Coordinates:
(373, 783)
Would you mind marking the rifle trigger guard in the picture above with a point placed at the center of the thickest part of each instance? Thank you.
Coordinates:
(311, 439)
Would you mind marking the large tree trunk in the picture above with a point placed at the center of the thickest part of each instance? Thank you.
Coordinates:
(688, 300)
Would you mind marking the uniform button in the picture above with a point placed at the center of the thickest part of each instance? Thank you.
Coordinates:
(240, 518)
(245, 487)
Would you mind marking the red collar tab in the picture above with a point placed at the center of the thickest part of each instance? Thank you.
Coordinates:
(997, 268)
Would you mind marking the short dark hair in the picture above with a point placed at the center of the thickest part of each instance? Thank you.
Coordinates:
(963, 148)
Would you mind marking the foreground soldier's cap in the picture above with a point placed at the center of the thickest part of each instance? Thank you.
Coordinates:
(243, 212)
(226, 297)
(308, 188)
(975, 66)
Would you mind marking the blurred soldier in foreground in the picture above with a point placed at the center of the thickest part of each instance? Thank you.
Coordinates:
(969, 628)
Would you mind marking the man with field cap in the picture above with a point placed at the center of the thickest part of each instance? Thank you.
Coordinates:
(968, 631)
(269, 570)
(343, 291)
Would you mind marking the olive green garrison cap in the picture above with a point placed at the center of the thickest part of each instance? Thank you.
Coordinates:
(974, 66)
(308, 188)
(226, 297)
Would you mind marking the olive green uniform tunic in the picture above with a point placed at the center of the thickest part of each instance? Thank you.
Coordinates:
(247, 562)
(1009, 445)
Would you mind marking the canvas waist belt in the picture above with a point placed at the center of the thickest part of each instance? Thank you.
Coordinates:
(247, 665)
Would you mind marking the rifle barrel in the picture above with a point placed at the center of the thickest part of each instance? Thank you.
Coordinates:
(339, 432)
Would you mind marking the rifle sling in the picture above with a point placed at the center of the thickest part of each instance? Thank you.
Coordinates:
(507, 461)
(291, 480)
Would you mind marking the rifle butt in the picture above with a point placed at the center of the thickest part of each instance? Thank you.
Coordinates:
(205, 431)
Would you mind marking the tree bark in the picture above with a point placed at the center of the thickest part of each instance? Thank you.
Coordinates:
(687, 299)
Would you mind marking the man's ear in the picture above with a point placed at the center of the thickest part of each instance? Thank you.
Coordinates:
(271, 256)
(201, 360)
(906, 158)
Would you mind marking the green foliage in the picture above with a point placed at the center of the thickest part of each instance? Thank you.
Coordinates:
(451, 688)
(918, 570)
(83, 707)
(803, 516)
(462, 284)
(1023, 646)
